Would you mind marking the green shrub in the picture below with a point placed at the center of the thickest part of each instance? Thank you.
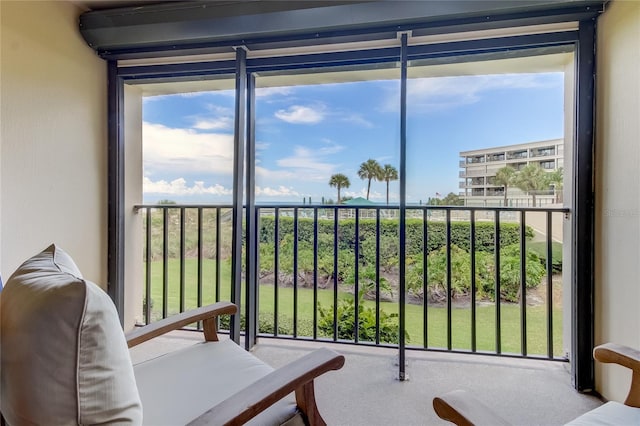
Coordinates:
(510, 282)
(540, 247)
(389, 330)
(367, 281)
(461, 273)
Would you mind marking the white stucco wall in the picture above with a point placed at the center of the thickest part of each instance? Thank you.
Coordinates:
(53, 151)
(618, 188)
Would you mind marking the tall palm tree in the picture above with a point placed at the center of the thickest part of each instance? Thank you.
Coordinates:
(530, 179)
(504, 177)
(339, 181)
(369, 170)
(557, 180)
(388, 174)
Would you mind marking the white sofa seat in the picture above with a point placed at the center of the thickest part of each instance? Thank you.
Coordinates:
(173, 390)
(610, 414)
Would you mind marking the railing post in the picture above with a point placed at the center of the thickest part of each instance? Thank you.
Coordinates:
(147, 297)
(251, 223)
(523, 284)
(238, 167)
(449, 278)
(182, 257)
(497, 282)
(403, 205)
(472, 252)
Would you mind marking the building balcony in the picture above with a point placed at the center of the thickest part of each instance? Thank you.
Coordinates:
(517, 155)
(476, 160)
(543, 152)
(471, 173)
(470, 185)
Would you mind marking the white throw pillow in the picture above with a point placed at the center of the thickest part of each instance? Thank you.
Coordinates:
(64, 356)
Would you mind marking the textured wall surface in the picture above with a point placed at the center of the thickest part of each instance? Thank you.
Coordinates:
(53, 152)
(618, 188)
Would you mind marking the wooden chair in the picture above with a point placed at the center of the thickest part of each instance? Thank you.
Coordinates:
(65, 360)
(231, 403)
(461, 408)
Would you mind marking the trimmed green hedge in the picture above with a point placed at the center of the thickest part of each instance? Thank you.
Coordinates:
(389, 229)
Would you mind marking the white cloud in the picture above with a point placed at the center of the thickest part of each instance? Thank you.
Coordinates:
(268, 174)
(221, 123)
(220, 110)
(273, 91)
(299, 114)
(261, 146)
(281, 191)
(437, 93)
(309, 164)
(305, 164)
(357, 119)
(185, 150)
(216, 118)
(330, 148)
(179, 187)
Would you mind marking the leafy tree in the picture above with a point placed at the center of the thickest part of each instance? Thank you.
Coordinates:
(339, 181)
(531, 179)
(388, 174)
(166, 202)
(369, 170)
(556, 179)
(452, 200)
(505, 177)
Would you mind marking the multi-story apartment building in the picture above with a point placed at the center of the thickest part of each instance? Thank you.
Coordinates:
(479, 169)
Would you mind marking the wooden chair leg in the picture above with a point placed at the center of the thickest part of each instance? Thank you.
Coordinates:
(633, 399)
(306, 400)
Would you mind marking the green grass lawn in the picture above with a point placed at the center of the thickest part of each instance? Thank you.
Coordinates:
(436, 319)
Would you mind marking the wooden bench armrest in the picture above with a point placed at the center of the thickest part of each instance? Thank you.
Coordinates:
(297, 376)
(206, 314)
(627, 357)
(463, 409)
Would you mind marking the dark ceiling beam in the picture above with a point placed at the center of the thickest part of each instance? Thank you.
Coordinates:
(206, 26)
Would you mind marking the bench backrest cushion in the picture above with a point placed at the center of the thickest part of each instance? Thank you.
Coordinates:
(64, 356)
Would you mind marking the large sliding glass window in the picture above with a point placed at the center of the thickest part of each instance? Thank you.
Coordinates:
(439, 220)
(320, 134)
(481, 129)
(183, 194)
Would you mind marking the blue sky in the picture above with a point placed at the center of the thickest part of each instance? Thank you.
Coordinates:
(304, 134)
